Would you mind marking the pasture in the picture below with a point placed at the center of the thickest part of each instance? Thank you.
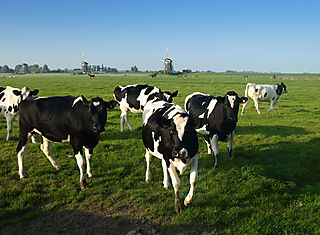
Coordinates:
(272, 186)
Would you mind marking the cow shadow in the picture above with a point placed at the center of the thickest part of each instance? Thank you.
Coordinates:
(282, 131)
(285, 161)
(97, 221)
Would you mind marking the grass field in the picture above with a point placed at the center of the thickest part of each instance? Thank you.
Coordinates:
(271, 187)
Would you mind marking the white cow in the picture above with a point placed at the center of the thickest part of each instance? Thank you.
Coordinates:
(264, 93)
(10, 99)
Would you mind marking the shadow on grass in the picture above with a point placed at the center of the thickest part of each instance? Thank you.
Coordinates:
(78, 222)
(282, 131)
(285, 161)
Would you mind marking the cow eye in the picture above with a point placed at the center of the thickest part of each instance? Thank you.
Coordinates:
(171, 132)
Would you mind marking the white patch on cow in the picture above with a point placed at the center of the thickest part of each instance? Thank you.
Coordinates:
(180, 123)
(231, 99)
(77, 100)
(156, 144)
(201, 115)
(96, 103)
(36, 131)
(211, 106)
(203, 130)
(66, 140)
(166, 95)
(143, 98)
(177, 163)
(150, 108)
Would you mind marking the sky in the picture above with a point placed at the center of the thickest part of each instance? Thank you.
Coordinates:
(243, 35)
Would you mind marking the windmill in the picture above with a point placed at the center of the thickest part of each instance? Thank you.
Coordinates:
(168, 68)
(84, 65)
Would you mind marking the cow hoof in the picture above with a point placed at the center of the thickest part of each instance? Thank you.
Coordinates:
(148, 181)
(215, 166)
(83, 184)
(58, 168)
(178, 208)
(186, 203)
(23, 177)
(166, 187)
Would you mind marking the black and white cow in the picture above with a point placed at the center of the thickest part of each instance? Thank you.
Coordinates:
(133, 98)
(169, 133)
(216, 118)
(264, 93)
(63, 119)
(10, 99)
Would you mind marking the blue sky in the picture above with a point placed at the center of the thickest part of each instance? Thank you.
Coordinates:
(260, 35)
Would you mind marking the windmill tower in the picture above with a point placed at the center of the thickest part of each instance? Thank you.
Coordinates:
(84, 65)
(168, 68)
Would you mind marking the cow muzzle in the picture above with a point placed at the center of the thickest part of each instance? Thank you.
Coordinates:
(97, 129)
(181, 154)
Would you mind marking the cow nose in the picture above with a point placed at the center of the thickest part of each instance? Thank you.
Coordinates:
(180, 154)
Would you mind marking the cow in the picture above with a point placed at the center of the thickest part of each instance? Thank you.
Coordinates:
(10, 99)
(216, 118)
(169, 134)
(264, 93)
(63, 119)
(133, 98)
(91, 75)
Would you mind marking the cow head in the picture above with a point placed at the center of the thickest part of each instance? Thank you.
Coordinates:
(281, 88)
(231, 105)
(97, 109)
(168, 95)
(182, 135)
(25, 92)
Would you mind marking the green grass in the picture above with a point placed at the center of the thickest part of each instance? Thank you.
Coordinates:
(272, 186)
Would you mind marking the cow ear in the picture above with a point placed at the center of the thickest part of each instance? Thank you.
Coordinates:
(111, 104)
(164, 123)
(84, 100)
(174, 94)
(243, 99)
(16, 92)
(34, 92)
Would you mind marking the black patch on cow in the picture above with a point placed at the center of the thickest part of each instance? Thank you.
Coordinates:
(149, 89)
(256, 90)
(0, 110)
(1, 95)
(2, 88)
(10, 109)
(272, 98)
(15, 108)
(265, 95)
(16, 92)
(4, 99)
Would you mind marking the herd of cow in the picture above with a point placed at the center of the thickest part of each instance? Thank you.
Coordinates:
(169, 132)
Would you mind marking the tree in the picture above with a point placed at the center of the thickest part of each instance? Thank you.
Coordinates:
(34, 68)
(17, 69)
(5, 69)
(45, 69)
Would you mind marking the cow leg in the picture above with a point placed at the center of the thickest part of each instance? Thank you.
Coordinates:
(207, 140)
(193, 180)
(9, 118)
(80, 162)
(148, 173)
(230, 144)
(32, 138)
(244, 106)
(215, 147)
(124, 118)
(176, 184)
(88, 152)
(21, 148)
(166, 182)
(256, 104)
(45, 147)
